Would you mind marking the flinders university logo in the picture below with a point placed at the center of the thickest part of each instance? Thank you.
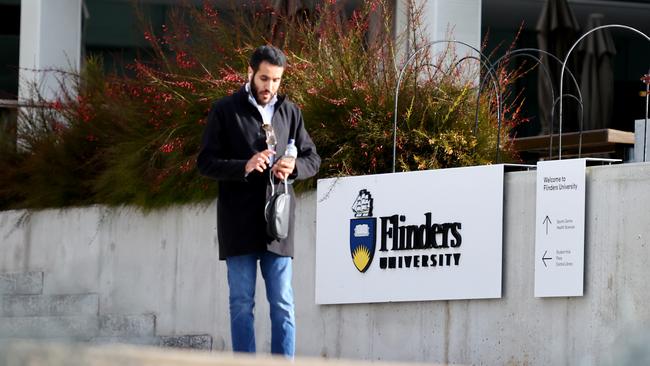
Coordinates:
(362, 231)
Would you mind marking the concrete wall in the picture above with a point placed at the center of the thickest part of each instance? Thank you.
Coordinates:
(165, 263)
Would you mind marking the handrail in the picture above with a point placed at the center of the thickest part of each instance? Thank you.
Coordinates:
(15, 104)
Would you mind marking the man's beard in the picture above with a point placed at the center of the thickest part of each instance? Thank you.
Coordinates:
(255, 92)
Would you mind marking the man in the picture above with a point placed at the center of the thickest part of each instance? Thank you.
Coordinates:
(246, 134)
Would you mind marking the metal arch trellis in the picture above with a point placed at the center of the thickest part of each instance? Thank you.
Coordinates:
(523, 52)
(496, 63)
(492, 74)
(495, 84)
(457, 63)
(582, 107)
(566, 59)
(478, 96)
(401, 75)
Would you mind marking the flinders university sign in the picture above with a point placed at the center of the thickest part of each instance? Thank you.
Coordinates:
(427, 235)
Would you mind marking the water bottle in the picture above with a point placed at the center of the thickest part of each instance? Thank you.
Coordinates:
(292, 151)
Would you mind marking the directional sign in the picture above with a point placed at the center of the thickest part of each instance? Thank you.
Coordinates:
(560, 228)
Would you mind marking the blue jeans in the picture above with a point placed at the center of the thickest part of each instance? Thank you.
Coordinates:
(276, 271)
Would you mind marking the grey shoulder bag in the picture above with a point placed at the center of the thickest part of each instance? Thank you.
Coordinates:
(277, 211)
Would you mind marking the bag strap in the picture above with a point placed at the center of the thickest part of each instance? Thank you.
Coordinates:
(286, 189)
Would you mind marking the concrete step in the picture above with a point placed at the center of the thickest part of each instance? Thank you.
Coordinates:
(26, 283)
(49, 305)
(72, 327)
(116, 325)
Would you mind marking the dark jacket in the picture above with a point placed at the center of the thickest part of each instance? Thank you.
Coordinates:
(232, 136)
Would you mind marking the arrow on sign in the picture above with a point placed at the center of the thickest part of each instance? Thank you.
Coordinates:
(546, 221)
(545, 258)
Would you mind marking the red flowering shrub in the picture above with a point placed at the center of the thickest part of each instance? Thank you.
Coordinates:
(115, 139)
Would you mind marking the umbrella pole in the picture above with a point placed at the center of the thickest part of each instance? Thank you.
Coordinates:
(646, 80)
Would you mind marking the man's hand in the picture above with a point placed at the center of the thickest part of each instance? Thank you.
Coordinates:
(283, 168)
(259, 161)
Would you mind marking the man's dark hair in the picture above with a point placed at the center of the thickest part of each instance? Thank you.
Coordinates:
(270, 54)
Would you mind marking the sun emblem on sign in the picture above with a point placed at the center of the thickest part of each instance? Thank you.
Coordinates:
(361, 257)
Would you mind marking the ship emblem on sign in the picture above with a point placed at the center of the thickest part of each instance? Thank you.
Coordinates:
(362, 231)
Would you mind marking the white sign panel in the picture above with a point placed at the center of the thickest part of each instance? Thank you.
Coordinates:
(560, 228)
(426, 235)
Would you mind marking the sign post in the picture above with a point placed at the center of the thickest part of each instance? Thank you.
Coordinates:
(560, 228)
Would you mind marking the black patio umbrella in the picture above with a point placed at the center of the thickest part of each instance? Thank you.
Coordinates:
(557, 30)
(288, 7)
(597, 76)
(287, 11)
